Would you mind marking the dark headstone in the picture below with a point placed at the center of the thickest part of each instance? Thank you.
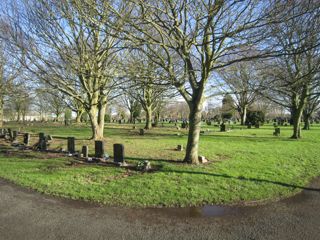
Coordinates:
(118, 153)
(276, 132)
(85, 151)
(222, 127)
(99, 149)
(141, 131)
(10, 134)
(41, 136)
(26, 139)
(14, 135)
(71, 145)
(43, 146)
(249, 125)
(180, 148)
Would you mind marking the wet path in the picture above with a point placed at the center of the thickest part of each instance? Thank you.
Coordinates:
(25, 214)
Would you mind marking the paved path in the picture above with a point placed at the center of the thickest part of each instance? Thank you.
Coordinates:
(27, 215)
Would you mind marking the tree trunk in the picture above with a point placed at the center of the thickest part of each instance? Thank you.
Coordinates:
(79, 115)
(1, 111)
(148, 118)
(96, 114)
(97, 129)
(157, 118)
(194, 133)
(306, 119)
(296, 120)
(243, 115)
(18, 116)
(297, 111)
(131, 116)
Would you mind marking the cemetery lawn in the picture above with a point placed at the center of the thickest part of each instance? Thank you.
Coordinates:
(247, 166)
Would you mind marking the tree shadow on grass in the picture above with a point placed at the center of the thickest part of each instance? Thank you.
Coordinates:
(156, 160)
(246, 179)
(252, 138)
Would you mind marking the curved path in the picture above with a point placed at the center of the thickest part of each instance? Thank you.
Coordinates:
(25, 214)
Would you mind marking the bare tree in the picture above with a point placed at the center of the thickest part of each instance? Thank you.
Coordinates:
(242, 81)
(292, 77)
(133, 105)
(9, 73)
(312, 105)
(190, 40)
(67, 52)
(144, 84)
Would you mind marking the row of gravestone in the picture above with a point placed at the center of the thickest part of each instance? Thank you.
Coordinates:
(43, 143)
(118, 150)
(7, 132)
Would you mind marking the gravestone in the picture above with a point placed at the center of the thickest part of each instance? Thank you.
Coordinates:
(10, 134)
(222, 127)
(71, 145)
(202, 159)
(183, 125)
(14, 135)
(180, 148)
(85, 151)
(99, 149)
(249, 125)
(276, 132)
(118, 153)
(257, 125)
(43, 146)
(26, 139)
(141, 131)
(41, 136)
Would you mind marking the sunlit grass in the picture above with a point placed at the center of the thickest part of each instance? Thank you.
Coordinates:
(245, 165)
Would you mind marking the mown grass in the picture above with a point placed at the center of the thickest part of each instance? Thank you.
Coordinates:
(246, 165)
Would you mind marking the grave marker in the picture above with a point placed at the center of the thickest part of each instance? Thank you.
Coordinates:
(14, 135)
(85, 151)
(99, 149)
(222, 127)
(26, 139)
(276, 132)
(71, 145)
(118, 153)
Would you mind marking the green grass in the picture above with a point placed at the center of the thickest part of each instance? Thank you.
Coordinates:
(246, 165)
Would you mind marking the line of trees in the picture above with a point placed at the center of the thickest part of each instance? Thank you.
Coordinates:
(93, 51)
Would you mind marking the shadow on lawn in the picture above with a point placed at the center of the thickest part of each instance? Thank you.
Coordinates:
(246, 179)
(241, 178)
(252, 137)
(156, 160)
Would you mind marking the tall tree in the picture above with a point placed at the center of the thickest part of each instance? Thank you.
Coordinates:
(145, 84)
(190, 40)
(243, 82)
(68, 52)
(292, 77)
(312, 105)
